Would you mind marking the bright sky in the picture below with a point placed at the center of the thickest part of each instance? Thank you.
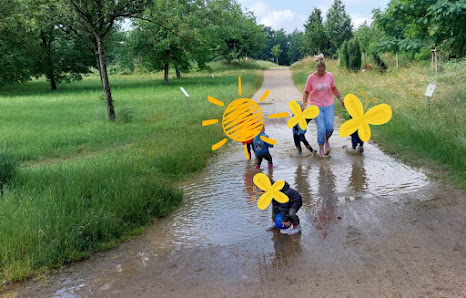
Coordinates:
(293, 14)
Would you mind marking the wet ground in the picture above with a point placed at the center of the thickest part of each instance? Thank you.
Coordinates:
(372, 227)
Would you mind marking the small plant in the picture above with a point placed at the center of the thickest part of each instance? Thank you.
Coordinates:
(8, 168)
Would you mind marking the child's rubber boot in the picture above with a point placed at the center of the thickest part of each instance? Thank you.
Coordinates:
(310, 149)
(293, 230)
(361, 148)
(271, 227)
(258, 166)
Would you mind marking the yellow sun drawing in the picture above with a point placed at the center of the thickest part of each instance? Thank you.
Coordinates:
(377, 115)
(243, 119)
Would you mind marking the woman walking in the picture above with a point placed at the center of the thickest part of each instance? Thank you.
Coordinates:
(320, 87)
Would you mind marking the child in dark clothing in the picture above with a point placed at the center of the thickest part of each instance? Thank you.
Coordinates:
(261, 149)
(299, 135)
(288, 211)
(355, 141)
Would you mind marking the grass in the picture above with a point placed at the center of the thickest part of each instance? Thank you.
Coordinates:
(422, 134)
(85, 183)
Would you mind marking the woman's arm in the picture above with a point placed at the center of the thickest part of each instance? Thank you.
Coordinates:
(305, 96)
(338, 95)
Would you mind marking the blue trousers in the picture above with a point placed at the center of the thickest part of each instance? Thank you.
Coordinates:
(324, 123)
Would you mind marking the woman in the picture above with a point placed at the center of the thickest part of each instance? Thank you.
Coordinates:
(321, 87)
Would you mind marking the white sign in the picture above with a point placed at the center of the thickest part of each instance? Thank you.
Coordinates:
(430, 90)
(184, 91)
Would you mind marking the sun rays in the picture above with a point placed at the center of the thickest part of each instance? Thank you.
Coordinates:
(243, 119)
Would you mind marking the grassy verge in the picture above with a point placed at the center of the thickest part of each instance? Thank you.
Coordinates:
(84, 183)
(432, 135)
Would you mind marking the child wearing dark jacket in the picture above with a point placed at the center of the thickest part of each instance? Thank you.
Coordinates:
(261, 149)
(288, 211)
(299, 135)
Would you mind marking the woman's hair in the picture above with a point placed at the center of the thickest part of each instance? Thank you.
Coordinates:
(319, 60)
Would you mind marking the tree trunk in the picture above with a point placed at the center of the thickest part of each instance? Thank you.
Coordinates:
(178, 74)
(396, 55)
(48, 47)
(53, 84)
(165, 77)
(104, 80)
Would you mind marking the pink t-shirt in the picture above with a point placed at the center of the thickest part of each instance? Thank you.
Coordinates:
(320, 89)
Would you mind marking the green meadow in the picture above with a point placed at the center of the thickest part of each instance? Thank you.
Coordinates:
(424, 133)
(83, 183)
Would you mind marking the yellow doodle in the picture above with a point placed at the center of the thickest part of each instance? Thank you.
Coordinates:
(377, 115)
(300, 117)
(270, 191)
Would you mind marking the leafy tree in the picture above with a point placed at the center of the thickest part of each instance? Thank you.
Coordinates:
(344, 57)
(94, 20)
(337, 26)
(368, 37)
(276, 51)
(60, 56)
(295, 50)
(354, 55)
(16, 60)
(315, 39)
(412, 24)
(236, 33)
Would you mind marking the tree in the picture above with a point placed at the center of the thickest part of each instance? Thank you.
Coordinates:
(235, 33)
(16, 60)
(413, 24)
(295, 50)
(344, 57)
(276, 51)
(337, 26)
(368, 37)
(354, 55)
(94, 19)
(315, 39)
(60, 56)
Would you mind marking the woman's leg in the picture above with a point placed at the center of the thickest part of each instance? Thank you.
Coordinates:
(328, 120)
(320, 124)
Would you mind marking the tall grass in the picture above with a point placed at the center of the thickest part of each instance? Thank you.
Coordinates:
(85, 182)
(421, 133)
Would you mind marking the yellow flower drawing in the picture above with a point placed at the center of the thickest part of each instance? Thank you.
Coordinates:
(271, 191)
(377, 115)
(301, 116)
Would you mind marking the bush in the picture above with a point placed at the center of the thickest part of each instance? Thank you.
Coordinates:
(344, 59)
(354, 55)
(379, 62)
(8, 168)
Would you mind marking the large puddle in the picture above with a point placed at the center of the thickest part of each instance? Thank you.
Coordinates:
(220, 207)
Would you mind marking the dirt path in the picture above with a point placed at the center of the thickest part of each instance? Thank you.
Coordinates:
(372, 227)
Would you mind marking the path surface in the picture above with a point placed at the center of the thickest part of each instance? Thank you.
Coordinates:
(372, 227)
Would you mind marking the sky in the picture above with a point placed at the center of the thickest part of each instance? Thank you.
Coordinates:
(293, 14)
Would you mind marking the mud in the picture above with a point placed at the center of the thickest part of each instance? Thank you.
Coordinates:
(372, 227)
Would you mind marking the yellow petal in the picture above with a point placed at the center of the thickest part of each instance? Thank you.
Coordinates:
(278, 185)
(294, 108)
(264, 201)
(262, 181)
(311, 112)
(380, 114)
(349, 127)
(292, 121)
(302, 123)
(364, 132)
(354, 106)
(280, 197)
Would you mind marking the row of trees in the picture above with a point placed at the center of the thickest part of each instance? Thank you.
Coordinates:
(63, 39)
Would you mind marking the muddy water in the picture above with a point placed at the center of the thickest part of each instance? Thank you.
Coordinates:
(372, 226)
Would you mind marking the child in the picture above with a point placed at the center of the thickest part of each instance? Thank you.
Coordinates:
(249, 146)
(355, 140)
(288, 211)
(299, 136)
(261, 149)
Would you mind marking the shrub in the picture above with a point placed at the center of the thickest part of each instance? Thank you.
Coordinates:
(8, 168)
